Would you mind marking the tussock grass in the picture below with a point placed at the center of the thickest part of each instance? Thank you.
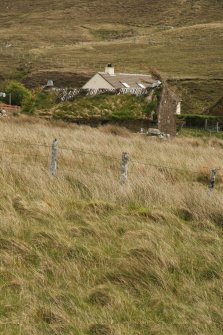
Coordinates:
(102, 106)
(82, 255)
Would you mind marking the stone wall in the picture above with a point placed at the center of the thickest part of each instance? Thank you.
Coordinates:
(167, 112)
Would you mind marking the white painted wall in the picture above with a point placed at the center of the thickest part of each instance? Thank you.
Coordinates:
(110, 70)
(97, 82)
(178, 111)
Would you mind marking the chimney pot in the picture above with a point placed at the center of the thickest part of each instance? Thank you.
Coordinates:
(110, 69)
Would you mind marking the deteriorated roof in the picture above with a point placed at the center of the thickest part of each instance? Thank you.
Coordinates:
(132, 80)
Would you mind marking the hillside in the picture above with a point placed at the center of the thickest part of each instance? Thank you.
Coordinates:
(84, 35)
(176, 12)
(71, 40)
(81, 254)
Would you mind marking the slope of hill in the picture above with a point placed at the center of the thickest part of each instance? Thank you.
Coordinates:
(182, 39)
(81, 254)
(48, 34)
(175, 12)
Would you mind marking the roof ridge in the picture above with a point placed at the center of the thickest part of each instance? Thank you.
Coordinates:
(127, 74)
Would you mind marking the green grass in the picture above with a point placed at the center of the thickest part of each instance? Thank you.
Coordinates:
(105, 106)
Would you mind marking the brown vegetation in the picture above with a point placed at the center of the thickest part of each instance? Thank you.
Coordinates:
(81, 254)
(182, 41)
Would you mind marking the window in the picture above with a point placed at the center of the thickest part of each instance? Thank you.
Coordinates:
(141, 85)
(126, 85)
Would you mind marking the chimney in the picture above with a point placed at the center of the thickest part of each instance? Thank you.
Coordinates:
(110, 70)
(50, 83)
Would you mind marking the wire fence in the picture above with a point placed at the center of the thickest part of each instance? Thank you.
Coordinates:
(57, 159)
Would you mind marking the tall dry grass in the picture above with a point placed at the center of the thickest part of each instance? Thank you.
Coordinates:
(160, 173)
(81, 254)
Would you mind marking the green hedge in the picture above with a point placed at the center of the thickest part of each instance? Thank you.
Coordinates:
(192, 120)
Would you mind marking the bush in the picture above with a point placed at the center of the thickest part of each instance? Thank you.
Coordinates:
(44, 99)
(123, 113)
(193, 120)
(19, 93)
(29, 105)
(39, 100)
(152, 106)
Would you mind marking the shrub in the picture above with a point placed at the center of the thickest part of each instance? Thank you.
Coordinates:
(150, 107)
(123, 113)
(29, 105)
(19, 93)
(39, 100)
(199, 120)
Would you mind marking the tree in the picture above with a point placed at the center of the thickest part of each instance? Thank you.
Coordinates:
(19, 93)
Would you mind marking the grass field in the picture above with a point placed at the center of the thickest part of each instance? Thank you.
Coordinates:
(81, 254)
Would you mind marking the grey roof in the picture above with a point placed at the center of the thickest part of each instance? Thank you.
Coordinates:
(132, 80)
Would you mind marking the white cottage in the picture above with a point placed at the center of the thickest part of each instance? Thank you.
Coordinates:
(112, 80)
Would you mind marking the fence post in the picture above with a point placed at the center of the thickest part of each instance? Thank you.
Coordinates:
(212, 180)
(53, 165)
(217, 127)
(124, 168)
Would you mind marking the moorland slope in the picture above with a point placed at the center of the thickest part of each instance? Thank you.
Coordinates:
(182, 39)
